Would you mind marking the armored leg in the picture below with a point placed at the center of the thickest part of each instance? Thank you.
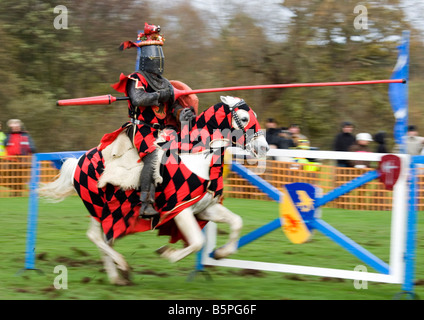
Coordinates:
(147, 188)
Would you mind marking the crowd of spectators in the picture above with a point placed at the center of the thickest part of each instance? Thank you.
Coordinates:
(344, 140)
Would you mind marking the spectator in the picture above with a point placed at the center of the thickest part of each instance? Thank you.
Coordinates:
(272, 132)
(295, 134)
(286, 141)
(2, 140)
(361, 145)
(307, 163)
(414, 143)
(343, 141)
(18, 142)
(380, 138)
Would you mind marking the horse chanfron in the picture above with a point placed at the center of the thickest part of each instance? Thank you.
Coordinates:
(245, 121)
(257, 146)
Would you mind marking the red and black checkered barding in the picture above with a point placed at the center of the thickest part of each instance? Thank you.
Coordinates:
(216, 123)
(180, 187)
(211, 124)
(118, 210)
(87, 173)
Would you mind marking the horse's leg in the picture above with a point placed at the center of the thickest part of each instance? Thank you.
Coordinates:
(94, 233)
(220, 214)
(188, 226)
(110, 257)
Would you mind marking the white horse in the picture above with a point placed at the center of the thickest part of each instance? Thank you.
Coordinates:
(104, 180)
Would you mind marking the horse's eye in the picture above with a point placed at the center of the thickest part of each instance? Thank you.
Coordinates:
(245, 119)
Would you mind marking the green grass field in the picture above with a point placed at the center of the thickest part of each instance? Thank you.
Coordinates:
(61, 240)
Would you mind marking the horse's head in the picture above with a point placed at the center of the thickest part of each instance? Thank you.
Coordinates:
(247, 132)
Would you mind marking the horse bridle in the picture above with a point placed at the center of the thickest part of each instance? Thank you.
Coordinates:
(247, 138)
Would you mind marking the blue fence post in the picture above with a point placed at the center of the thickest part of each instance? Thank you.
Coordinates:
(408, 284)
(57, 158)
(32, 214)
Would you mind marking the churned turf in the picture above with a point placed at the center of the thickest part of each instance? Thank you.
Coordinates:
(61, 241)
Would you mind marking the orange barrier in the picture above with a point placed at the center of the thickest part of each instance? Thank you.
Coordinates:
(15, 173)
(371, 196)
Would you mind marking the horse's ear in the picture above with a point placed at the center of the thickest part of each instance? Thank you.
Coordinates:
(231, 101)
(225, 100)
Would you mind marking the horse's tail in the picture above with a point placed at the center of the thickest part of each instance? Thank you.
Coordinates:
(62, 186)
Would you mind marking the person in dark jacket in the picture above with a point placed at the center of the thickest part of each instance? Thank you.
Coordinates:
(286, 141)
(272, 133)
(380, 138)
(343, 141)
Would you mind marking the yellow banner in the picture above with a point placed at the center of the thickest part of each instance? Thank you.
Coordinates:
(291, 221)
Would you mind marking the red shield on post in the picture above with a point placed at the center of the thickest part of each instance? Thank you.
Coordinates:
(389, 169)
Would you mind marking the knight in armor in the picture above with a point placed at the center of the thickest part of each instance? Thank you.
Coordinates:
(151, 107)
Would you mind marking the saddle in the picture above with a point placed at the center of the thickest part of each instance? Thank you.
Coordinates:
(123, 166)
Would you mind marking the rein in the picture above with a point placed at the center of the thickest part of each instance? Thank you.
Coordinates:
(247, 138)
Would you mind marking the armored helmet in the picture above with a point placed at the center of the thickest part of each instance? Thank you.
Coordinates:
(149, 44)
(151, 59)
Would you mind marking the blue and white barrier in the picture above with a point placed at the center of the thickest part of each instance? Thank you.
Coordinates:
(400, 268)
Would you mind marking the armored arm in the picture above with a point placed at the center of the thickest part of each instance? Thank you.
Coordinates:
(139, 97)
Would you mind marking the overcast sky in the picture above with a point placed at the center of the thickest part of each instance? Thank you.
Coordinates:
(415, 12)
(273, 14)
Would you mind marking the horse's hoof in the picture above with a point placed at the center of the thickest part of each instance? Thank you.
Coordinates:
(122, 282)
(162, 249)
(222, 253)
(217, 256)
(126, 274)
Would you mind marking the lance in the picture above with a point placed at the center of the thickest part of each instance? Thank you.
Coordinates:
(108, 99)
